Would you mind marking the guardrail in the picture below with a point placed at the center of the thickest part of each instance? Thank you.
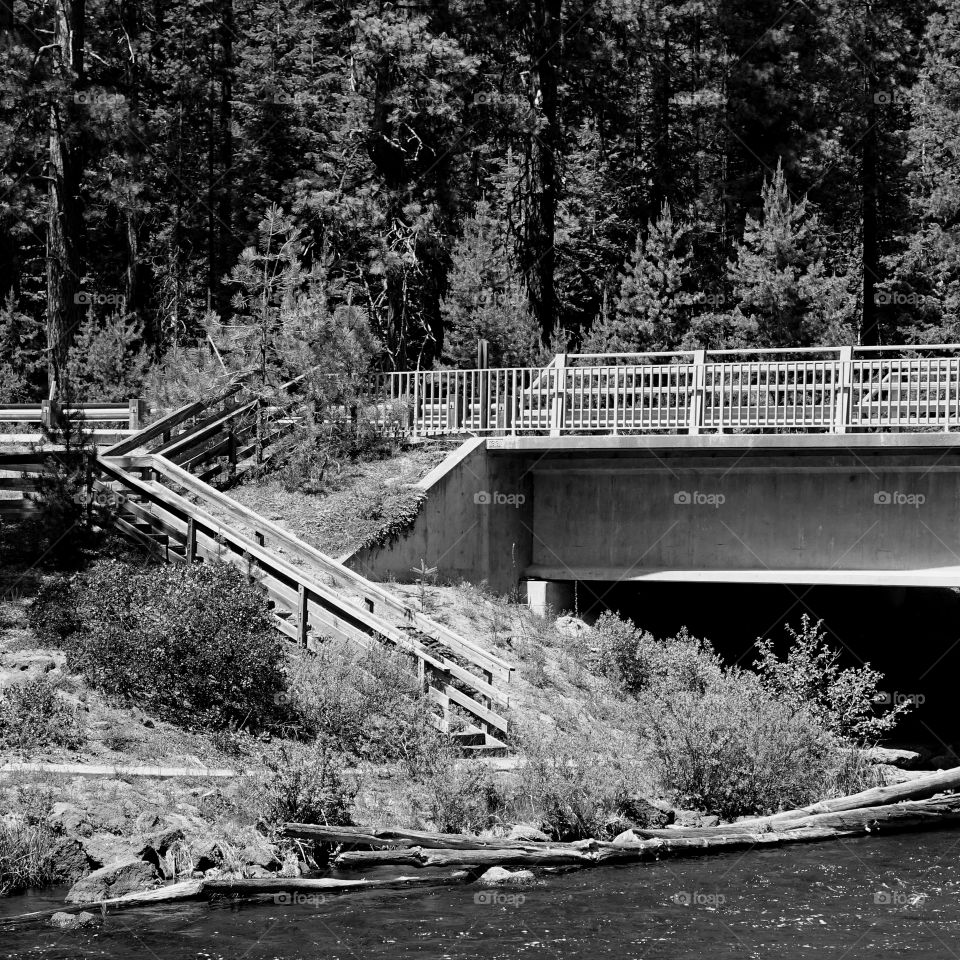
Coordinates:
(130, 413)
(834, 390)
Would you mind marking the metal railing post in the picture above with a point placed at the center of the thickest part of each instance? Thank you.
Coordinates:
(699, 384)
(559, 395)
(841, 417)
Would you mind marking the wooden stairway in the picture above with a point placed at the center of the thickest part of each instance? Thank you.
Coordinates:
(163, 479)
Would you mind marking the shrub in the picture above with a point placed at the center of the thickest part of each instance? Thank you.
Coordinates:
(845, 701)
(463, 797)
(193, 644)
(571, 786)
(638, 662)
(365, 703)
(33, 716)
(736, 749)
(305, 785)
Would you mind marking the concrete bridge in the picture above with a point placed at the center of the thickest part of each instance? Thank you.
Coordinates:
(767, 469)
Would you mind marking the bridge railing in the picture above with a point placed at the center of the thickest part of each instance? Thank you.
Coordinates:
(826, 389)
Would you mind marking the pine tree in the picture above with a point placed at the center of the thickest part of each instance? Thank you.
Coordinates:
(925, 296)
(485, 299)
(655, 303)
(783, 292)
(107, 360)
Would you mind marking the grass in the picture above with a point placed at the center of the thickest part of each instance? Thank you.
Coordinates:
(361, 504)
(28, 857)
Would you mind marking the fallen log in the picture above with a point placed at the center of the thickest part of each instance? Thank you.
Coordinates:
(299, 885)
(528, 855)
(172, 893)
(347, 836)
(913, 790)
(400, 838)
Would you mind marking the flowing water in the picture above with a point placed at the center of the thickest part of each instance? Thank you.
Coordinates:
(869, 898)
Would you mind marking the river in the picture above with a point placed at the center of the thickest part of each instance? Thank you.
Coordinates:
(864, 898)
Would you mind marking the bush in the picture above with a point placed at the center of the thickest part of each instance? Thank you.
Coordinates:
(463, 797)
(33, 716)
(736, 749)
(305, 785)
(568, 784)
(194, 644)
(638, 661)
(845, 701)
(368, 704)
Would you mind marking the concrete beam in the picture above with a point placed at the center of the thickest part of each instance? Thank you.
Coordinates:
(936, 577)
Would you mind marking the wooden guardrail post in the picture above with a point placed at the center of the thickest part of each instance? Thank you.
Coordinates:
(303, 615)
(699, 385)
(559, 396)
(841, 415)
(190, 548)
(137, 412)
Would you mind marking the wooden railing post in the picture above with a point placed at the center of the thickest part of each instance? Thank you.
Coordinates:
(303, 614)
(699, 385)
(842, 413)
(559, 395)
(190, 549)
(137, 413)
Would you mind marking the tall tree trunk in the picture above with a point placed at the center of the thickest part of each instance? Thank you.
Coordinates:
(63, 194)
(869, 234)
(545, 32)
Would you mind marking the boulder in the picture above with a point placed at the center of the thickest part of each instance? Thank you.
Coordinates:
(571, 626)
(104, 848)
(627, 839)
(653, 813)
(73, 921)
(523, 831)
(114, 880)
(499, 877)
(71, 861)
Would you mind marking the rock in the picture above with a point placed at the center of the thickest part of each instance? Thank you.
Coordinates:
(73, 921)
(260, 853)
(32, 662)
(627, 839)
(694, 818)
(905, 759)
(71, 860)
(571, 626)
(523, 831)
(651, 813)
(499, 877)
(114, 880)
(207, 855)
(104, 848)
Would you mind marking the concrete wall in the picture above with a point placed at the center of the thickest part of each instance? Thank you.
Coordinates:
(803, 509)
(474, 524)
